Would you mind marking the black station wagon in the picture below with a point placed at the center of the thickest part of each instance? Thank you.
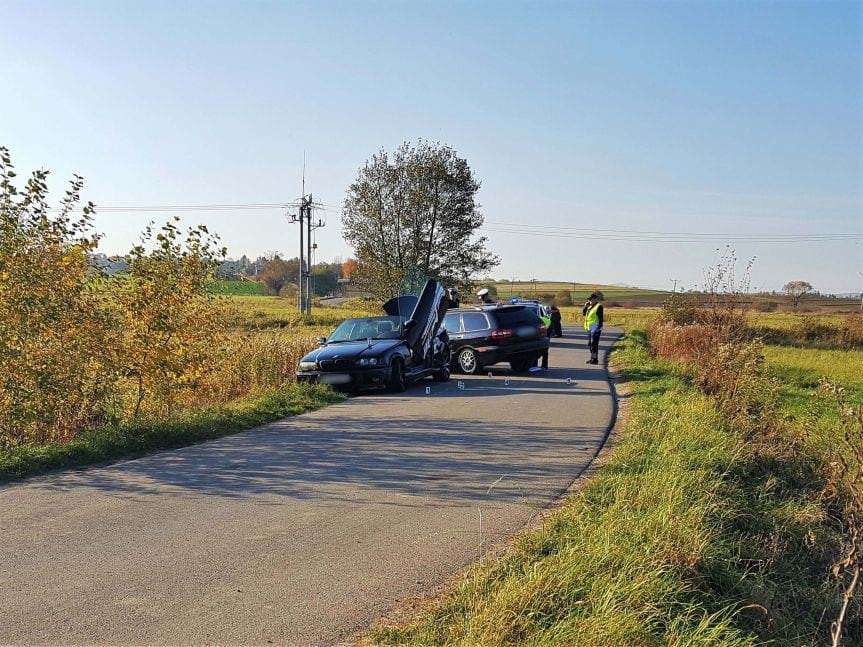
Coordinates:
(488, 335)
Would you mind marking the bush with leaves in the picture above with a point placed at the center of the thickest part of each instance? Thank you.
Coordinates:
(57, 350)
(563, 299)
(172, 328)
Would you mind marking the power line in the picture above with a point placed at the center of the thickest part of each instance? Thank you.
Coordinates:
(555, 229)
(199, 207)
(676, 238)
(521, 229)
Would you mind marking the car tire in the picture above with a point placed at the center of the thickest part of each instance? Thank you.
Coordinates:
(521, 365)
(396, 381)
(468, 361)
(442, 374)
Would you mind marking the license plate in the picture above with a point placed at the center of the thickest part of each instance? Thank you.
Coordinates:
(335, 378)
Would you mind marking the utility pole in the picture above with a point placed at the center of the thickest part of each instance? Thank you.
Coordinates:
(301, 302)
(304, 283)
(674, 281)
(861, 294)
(308, 206)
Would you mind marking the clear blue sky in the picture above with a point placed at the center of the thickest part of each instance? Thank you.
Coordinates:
(722, 117)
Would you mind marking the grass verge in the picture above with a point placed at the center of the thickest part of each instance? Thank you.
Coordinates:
(110, 443)
(686, 536)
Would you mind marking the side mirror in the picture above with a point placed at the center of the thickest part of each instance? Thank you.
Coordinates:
(322, 341)
(410, 323)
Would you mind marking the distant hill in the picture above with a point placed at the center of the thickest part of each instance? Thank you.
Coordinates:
(619, 294)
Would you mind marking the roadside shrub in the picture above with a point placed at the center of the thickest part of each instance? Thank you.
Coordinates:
(815, 329)
(680, 311)
(289, 291)
(729, 369)
(852, 334)
(171, 322)
(767, 306)
(57, 347)
(734, 375)
(80, 351)
(682, 343)
(563, 299)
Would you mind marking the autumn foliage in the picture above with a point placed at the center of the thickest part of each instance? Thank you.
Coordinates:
(57, 369)
(348, 268)
(78, 349)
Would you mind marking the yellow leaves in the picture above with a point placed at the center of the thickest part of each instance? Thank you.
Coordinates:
(75, 350)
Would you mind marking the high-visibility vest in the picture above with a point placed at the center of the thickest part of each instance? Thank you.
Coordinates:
(592, 317)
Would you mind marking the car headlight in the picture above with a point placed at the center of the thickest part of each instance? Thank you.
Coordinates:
(308, 366)
(368, 361)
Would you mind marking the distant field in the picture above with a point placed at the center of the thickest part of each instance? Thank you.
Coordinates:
(576, 290)
(239, 288)
(637, 297)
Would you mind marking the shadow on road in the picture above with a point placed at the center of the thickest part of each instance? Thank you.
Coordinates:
(384, 448)
(409, 456)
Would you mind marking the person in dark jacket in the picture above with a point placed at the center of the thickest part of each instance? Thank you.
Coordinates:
(593, 318)
(454, 298)
(556, 328)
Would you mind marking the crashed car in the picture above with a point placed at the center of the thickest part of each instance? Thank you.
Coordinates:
(390, 351)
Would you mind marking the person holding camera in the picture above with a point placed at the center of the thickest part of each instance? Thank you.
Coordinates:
(593, 316)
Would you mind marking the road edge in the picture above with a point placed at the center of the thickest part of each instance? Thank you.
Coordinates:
(406, 608)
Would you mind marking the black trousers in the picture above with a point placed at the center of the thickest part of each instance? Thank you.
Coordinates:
(593, 343)
(556, 329)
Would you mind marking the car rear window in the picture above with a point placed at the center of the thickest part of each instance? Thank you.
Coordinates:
(474, 321)
(516, 317)
(452, 322)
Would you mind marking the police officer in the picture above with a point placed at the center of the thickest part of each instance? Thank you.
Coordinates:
(593, 316)
(556, 330)
(484, 298)
(454, 299)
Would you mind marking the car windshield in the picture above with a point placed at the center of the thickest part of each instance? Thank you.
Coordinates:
(368, 328)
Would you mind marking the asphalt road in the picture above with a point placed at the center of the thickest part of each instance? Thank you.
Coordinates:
(299, 532)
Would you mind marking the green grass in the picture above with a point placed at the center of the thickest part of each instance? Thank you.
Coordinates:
(238, 288)
(629, 318)
(258, 313)
(684, 537)
(110, 443)
(578, 291)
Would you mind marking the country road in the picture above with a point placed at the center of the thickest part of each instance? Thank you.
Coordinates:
(303, 531)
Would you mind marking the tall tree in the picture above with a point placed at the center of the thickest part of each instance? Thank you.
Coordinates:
(277, 272)
(415, 212)
(797, 290)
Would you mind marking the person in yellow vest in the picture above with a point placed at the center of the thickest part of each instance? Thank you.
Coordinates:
(593, 316)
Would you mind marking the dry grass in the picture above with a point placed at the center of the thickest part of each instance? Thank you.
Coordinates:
(703, 528)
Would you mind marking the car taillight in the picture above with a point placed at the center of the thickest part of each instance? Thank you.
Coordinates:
(502, 333)
(543, 330)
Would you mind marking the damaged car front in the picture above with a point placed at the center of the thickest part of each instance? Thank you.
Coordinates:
(358, 353)
(391, 350)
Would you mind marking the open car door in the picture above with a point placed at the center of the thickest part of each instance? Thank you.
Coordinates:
(424, 313)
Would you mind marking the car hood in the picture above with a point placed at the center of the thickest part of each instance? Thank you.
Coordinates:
(352, 350)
